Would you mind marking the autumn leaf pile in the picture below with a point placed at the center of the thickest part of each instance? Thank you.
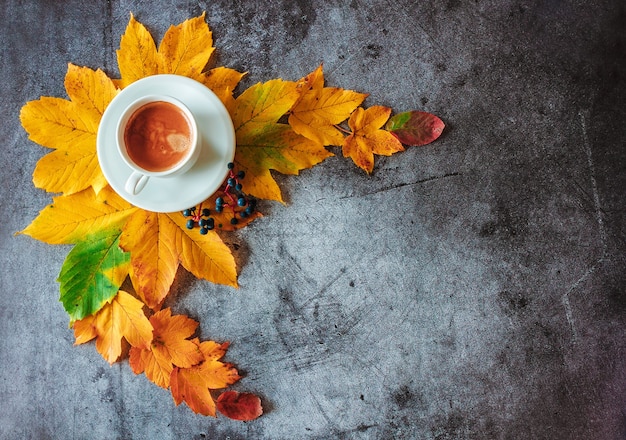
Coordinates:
(281, 126)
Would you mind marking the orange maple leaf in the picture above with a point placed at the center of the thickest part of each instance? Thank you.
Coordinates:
(169, 348)
(319, 109)
(367, 137)
(193, 385)
(123, 317)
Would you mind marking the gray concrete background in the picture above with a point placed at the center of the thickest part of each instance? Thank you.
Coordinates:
(472, 289)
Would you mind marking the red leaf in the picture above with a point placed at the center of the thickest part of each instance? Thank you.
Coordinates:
(415, 128)
(239, 406)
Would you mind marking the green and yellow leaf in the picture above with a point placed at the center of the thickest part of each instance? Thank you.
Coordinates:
(92, 273)
(71, 218)
(263, 144)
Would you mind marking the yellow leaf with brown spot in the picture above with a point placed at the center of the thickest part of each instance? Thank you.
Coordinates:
(222, 81)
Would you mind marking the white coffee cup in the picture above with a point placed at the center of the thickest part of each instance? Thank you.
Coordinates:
(157, 136)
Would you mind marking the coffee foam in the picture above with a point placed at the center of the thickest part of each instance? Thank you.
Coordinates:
(157, 136)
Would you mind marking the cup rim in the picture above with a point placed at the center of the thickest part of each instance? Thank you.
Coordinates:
(131, 109)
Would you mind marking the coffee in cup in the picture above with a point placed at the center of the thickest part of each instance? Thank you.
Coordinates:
(157, 137)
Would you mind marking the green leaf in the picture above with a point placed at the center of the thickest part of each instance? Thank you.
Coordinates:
(93, 273)
(415, 128)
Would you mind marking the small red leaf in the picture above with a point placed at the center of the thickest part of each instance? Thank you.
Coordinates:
(239, 406)
(415, 128)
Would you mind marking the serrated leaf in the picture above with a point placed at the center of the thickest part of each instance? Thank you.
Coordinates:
(263, 103)
(368, 138)
(186, 48)
(169, 348)
(263, 144)
(154, 255)
(137, 55)
(69, 172)
(70, 128)
(279, 148)
(123, 317)
(415, 128)
(239, 406)
(192, 385)
(205, 256)
(91, 91)
(54, 123)
(92, 273)
(222, 81)
(319, 109)
(70, 218)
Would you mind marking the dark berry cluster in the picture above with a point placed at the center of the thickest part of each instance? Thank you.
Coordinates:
(232, 198)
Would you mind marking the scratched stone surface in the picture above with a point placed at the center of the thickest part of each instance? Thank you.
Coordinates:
(471, 289)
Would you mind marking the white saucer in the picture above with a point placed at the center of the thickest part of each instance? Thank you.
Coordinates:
(217, 137)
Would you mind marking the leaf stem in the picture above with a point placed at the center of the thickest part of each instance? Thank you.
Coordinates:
(340, 128)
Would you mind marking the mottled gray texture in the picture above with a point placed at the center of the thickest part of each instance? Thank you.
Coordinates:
(471, 289)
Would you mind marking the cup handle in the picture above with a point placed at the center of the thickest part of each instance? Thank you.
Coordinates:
(136, 182)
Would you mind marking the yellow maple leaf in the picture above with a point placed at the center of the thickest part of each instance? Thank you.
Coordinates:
(121, 318)
(70, 128)
(71, 218)
(169, 348)
(367, 137)
(192, 385)
(264, 144)
(319, 109)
